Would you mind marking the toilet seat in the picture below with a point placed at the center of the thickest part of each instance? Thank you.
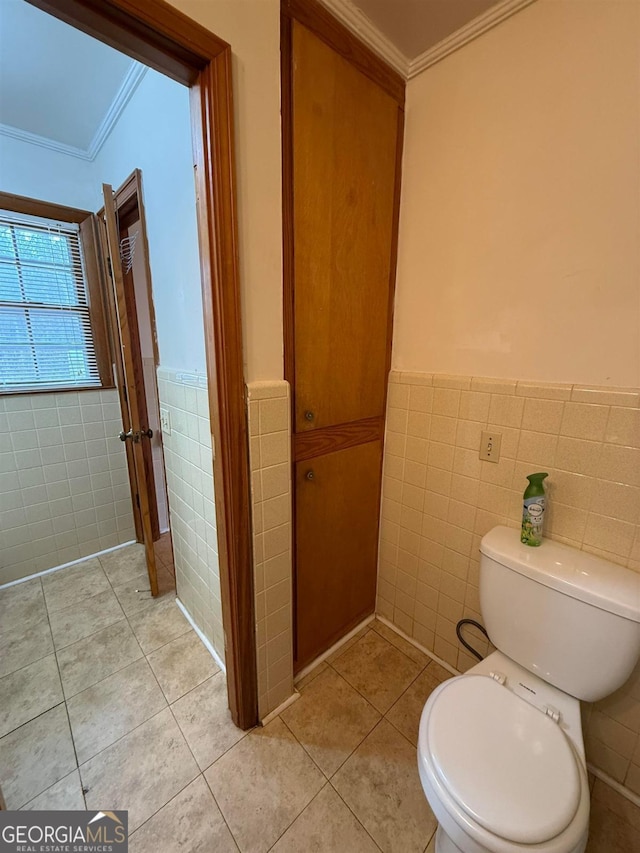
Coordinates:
(502, 764)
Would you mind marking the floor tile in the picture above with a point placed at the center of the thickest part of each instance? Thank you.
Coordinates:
(21, 605)
(380, 784)
(65, 795)
(124, 563)
(157, 625)
(19, 648)
(181, 665)
(349, 643)
(262, 785)
(94, 658)
(107, 711)
(190, 823)
(309, 677)
(377, 669)
(74, 585)
(81, 620)
(405, 714)
(142, 771)
(29, 692)
(609, 832)
(205, 720)
(135, 594)
(326, 826)
(400, 643)
(35, 756)
(330, 719)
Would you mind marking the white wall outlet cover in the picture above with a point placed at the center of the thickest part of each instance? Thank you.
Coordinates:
(490, 446)
(165, 421)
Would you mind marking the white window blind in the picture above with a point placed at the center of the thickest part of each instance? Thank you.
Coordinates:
(45, 329)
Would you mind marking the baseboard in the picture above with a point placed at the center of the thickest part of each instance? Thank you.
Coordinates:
(66, 565)
(283, 705)
(205, 642)
(600, 774)
(317, 661)
(417, 645)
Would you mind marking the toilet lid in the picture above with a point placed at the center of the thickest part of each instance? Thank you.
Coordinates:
(506, 764)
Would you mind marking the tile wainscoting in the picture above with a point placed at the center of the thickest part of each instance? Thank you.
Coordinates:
(439, 499)
(64, 486)
(270, 453)
(188, 458)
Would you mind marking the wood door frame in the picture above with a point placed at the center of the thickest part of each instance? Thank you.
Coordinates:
(165, 39)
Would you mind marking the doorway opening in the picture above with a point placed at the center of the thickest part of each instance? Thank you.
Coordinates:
(171, 43)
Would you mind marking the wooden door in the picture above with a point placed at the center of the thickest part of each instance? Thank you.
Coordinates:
(345, 130)
(337, 520)
(342, 137)
(122, 331)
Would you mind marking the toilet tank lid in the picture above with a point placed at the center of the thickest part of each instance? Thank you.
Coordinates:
(575, 573)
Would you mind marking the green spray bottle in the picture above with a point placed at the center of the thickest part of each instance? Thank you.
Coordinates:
(533, 510)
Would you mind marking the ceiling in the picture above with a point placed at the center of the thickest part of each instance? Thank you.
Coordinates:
(414, 26)
(56, 82)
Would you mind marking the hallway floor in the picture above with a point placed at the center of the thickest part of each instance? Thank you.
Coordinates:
(109, 700)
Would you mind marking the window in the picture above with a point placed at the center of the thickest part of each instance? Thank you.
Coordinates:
(52, 334)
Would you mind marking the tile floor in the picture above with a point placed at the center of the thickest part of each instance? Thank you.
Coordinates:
(109, 700)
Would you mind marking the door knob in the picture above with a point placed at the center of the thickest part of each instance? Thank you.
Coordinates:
(125, 435)
(147, 432)
(309, 416)
(309, 475)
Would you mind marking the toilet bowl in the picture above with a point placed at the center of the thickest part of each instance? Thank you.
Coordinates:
(500, 749)
(500, 773)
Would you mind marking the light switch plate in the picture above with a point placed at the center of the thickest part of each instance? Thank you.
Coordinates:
(165, 421)
(490, 446)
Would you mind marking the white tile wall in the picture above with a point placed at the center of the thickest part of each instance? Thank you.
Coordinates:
(270, 453)
(188, 460)
(64, 487)
(439, 499)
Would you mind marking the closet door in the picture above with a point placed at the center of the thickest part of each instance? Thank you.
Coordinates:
(345, 130)
(342, 132)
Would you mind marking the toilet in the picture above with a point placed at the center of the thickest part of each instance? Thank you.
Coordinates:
(500, 749)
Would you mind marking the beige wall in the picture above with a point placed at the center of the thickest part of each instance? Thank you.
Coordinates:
(518, 252)
(252, 28)
(64, 486)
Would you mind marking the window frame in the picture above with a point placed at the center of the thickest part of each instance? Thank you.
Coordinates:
(90, 241)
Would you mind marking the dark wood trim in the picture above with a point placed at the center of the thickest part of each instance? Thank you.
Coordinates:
(151, 31)
(288, 252)
(316, 442)
(37, 207)
(315, 17)
(212, 115)
(157, 34)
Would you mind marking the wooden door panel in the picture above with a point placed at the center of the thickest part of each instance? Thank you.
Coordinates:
(345, 134)
(336, 545)
(122, 331)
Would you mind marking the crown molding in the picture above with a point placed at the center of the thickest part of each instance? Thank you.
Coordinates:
(489, 19)
(43, 142)
(358, 23)
(122, 97)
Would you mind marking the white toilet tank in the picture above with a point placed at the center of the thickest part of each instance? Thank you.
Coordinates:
(565, 615)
